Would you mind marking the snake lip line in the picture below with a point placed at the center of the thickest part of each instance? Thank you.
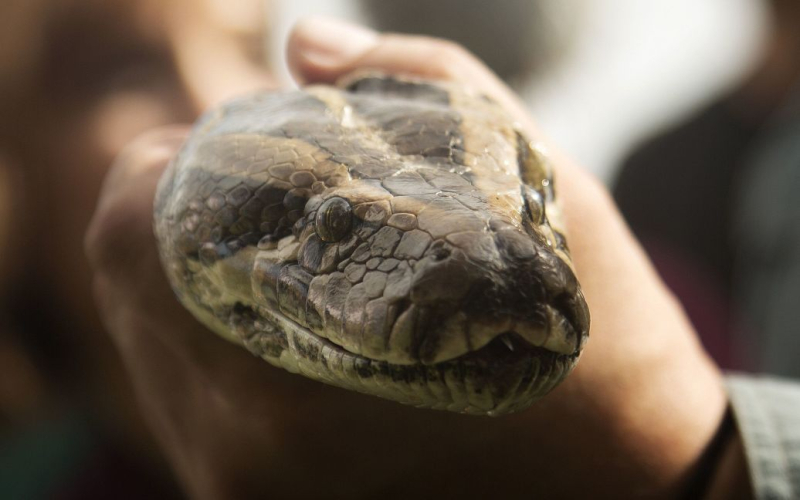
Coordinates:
(509, 345)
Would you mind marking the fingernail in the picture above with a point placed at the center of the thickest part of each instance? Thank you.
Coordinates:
(331, 42)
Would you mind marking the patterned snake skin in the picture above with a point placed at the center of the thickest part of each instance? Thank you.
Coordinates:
(393, 237)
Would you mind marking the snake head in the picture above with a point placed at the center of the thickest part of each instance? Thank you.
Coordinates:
(426, 278)
(390, 230)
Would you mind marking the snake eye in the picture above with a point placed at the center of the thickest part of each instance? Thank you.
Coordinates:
(334, 219)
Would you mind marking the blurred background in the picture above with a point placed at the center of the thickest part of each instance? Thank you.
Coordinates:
(687, 110)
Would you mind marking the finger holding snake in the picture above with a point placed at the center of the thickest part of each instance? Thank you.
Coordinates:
(642, 359)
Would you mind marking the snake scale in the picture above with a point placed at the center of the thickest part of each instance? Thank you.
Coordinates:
(389, 236)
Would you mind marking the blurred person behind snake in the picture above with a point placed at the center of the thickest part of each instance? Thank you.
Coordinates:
(78, 80)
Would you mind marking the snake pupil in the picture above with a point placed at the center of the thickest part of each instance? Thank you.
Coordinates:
(334, 219)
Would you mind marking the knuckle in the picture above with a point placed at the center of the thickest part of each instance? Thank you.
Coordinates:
(432, 57)
(449, 49)
(448, 56)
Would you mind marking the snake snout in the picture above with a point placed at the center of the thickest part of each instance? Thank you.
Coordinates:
(492, 285)
(533, 297)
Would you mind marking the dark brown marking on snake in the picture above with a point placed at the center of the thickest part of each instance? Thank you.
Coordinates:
(257, 114)
(415, 129)
(395, 88)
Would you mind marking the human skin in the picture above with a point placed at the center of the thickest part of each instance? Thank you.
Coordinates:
(78, 80)
(635, 418)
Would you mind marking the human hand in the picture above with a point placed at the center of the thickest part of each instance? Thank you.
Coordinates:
(633, 419)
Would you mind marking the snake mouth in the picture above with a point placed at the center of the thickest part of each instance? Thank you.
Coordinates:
(560, 328)
(504, 375)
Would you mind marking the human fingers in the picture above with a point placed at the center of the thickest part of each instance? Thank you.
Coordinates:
(121, 248)
(178, 366)
(321, 50)
(124, 208)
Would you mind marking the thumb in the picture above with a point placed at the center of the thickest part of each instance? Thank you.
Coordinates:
(321, 50)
